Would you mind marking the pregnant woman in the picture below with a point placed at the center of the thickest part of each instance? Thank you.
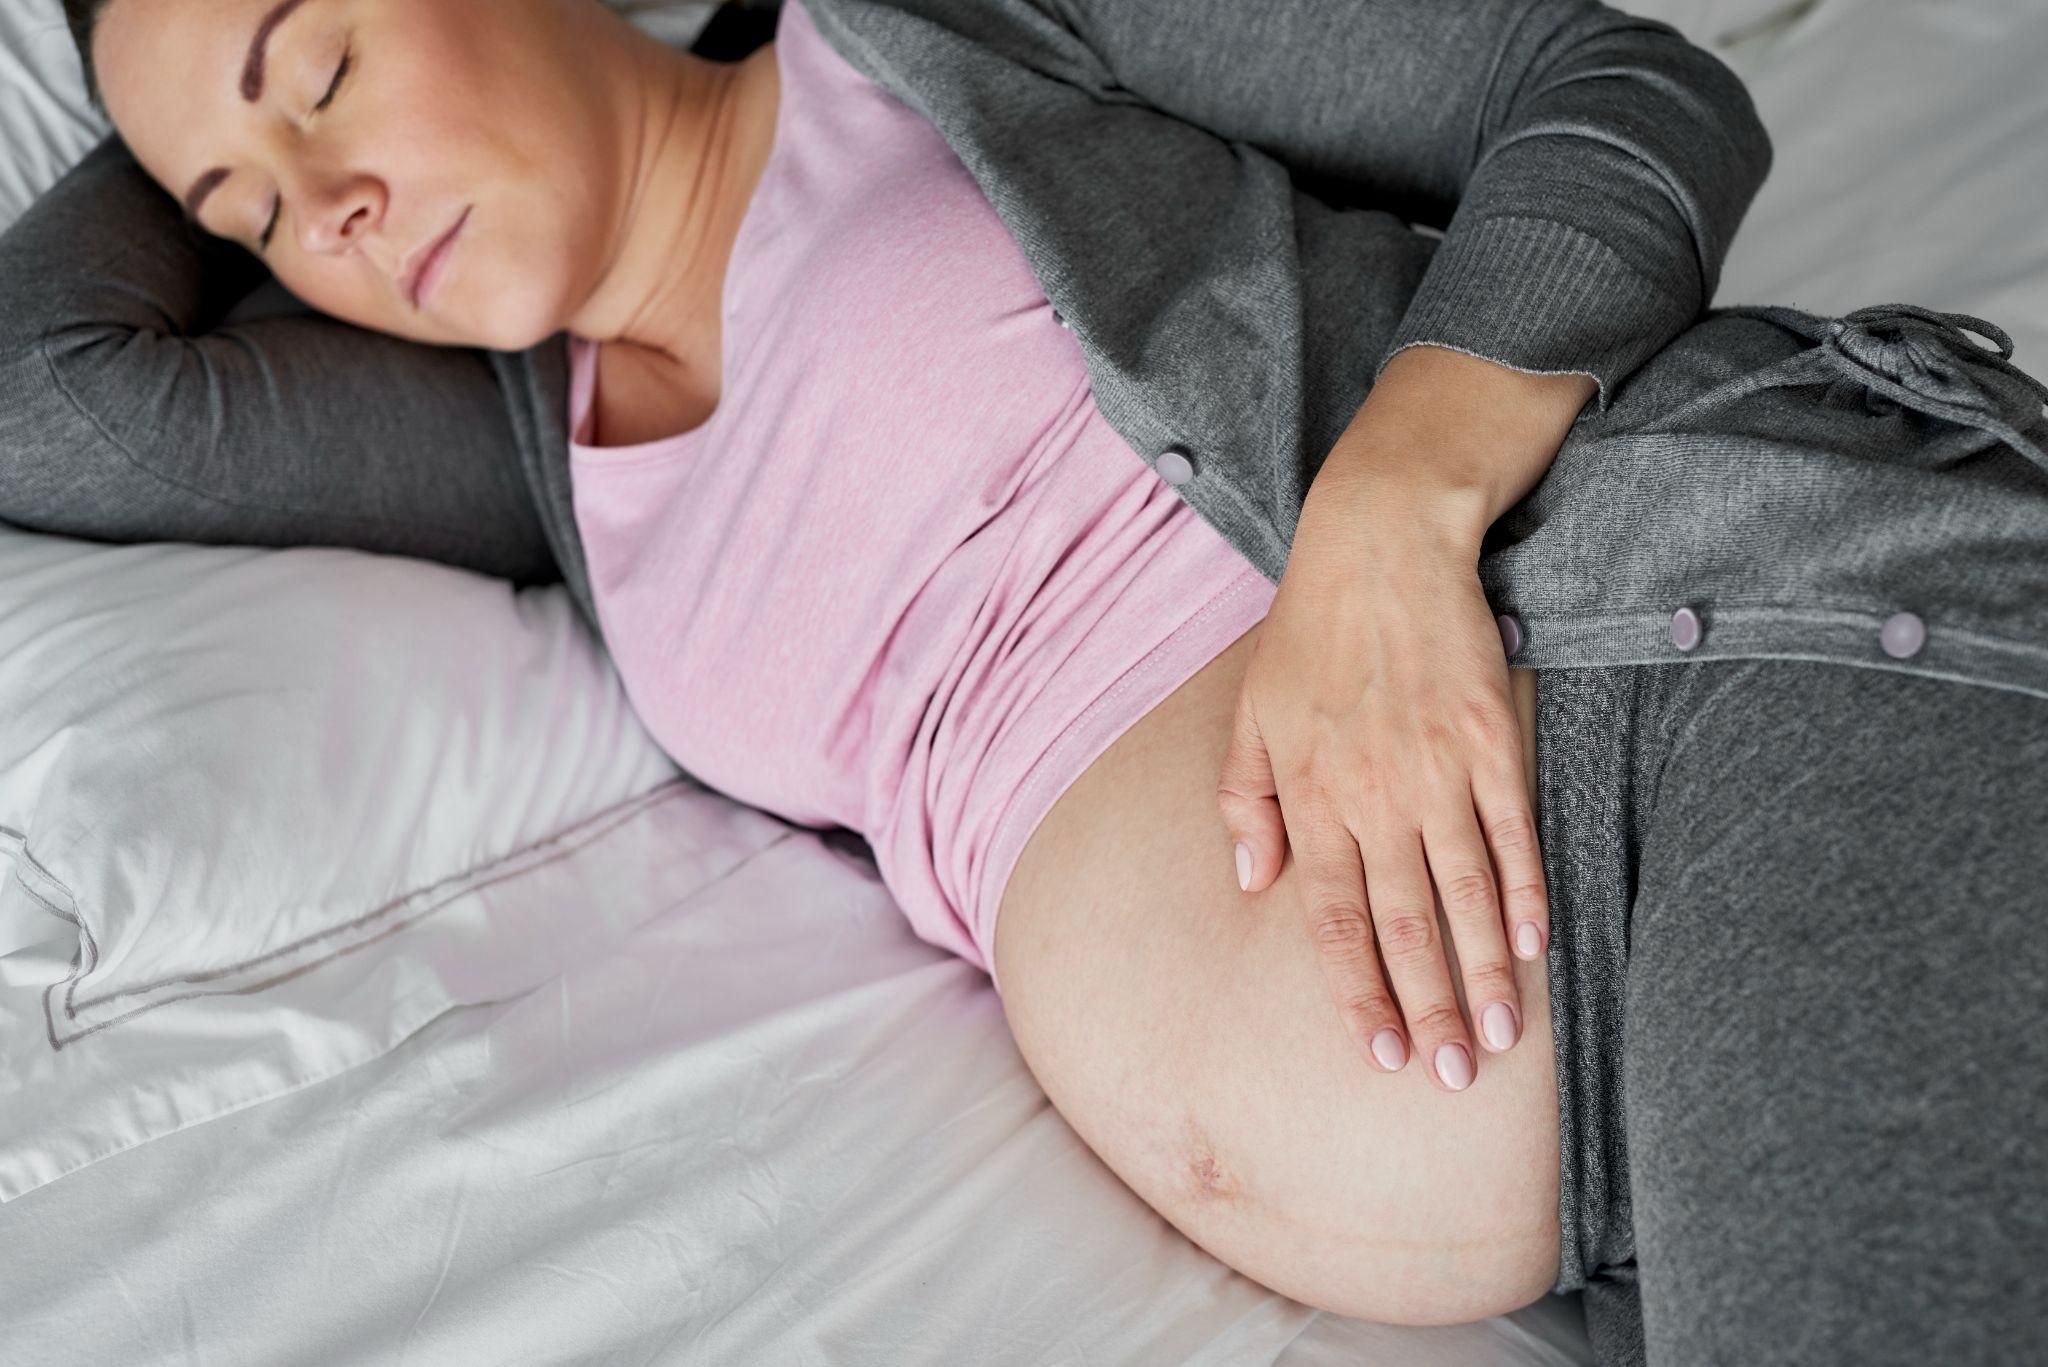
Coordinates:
(850, 511)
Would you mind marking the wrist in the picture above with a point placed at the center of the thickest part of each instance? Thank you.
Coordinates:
(1371, 513)
(1445, 442)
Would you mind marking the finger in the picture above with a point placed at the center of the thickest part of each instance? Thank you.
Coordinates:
(1250, 803)
(1464, 882)
(1510, 825)
(1403, 909)
(1332, 885)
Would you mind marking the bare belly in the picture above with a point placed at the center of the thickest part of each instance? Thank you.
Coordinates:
(1183, 1029)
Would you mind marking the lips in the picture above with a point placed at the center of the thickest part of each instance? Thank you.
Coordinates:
(416, 272)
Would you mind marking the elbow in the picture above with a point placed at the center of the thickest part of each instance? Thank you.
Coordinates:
(1643, 88)
(1741, 163)
(1716, 111)
(48, 443)
(1732, 115)
(1709, 142)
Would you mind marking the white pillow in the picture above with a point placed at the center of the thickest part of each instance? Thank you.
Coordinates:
(46, 124)
(264, 813)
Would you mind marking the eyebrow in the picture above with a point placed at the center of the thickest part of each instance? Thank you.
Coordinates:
(252, 91)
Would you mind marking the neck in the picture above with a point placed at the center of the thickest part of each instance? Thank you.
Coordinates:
(695, 134)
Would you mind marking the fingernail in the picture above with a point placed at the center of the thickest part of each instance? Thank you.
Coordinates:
(1528, 940)
(1454, 1066)
(1244, 866)
(1498, 1021)
(1387, 1048)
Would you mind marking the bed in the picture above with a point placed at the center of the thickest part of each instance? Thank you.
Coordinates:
(467, 1030)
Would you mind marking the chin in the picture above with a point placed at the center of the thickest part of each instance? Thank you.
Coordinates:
(512, 321)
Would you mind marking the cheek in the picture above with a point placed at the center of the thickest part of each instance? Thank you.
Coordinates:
(520, 286)
(347, 293)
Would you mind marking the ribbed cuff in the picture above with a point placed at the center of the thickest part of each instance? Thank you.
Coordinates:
(1542, 297)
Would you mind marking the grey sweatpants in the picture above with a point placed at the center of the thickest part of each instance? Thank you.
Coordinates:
(1800, 962)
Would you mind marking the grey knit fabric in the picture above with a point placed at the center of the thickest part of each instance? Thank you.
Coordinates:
(1796, 916)
(1798, 483)
(1595, 772)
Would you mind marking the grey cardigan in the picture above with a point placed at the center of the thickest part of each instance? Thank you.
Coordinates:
(1234, 207)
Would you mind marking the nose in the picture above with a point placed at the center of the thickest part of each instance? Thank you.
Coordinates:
(339, 213)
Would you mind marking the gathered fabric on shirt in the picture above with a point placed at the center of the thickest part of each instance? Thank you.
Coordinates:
(905, 579)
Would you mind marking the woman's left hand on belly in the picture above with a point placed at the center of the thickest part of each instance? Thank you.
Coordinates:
(1376, 735)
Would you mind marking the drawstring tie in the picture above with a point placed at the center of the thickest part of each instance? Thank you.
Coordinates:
(1924, 360)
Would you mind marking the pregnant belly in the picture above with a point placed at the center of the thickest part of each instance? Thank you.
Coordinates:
(1183, 1029)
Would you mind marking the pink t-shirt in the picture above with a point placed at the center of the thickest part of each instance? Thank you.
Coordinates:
(905, 579)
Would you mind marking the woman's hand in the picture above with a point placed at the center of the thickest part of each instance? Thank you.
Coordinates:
(1376, 735)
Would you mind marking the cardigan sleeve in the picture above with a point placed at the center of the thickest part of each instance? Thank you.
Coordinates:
(1587, 167)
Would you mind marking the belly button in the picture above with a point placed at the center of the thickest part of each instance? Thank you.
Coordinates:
(1207, 1178)
(1210, 1181)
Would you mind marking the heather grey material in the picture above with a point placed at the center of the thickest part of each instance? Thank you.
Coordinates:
(1798, 944)
(1796, 481)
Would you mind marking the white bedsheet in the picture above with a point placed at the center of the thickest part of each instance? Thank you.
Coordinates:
(774, 1127)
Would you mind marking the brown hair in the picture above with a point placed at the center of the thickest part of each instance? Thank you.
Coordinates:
(84, 16)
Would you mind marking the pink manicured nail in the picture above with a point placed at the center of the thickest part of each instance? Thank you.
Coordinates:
(1386, 1047)
(1454, 1066)
(1244, 866)
(1528, 940)
(1498, 1021)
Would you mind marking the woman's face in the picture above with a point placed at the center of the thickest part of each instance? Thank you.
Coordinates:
(364, 131)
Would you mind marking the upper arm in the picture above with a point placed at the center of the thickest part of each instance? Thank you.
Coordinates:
(1380, 96)
(1396, 103)
(1589, 168)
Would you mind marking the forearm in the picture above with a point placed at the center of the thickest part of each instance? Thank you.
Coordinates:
(1443, 445)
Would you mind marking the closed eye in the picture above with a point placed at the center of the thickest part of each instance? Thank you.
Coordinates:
(339, 72)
